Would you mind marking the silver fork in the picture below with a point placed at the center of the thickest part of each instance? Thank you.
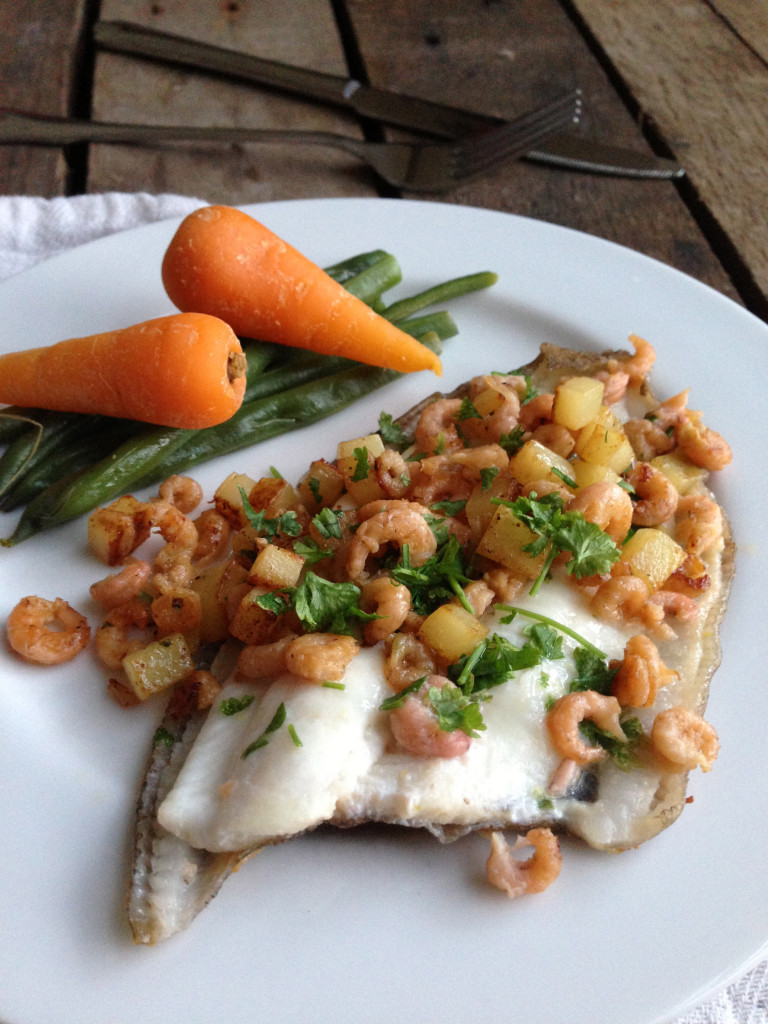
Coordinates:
(414, 166)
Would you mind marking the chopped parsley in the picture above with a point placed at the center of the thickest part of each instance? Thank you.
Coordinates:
(495, 660)
(592, 672)
(453, 708)
(438, 580)
(592, 550)
(319, 604)
(362, 466)
(277, 720)
(621, 752)
(287, 523)
(467, 411)
(327, 522)
(487, 476)
(233, 705)
(449, 508)
(513, 441)
(392, 433)
(163, 737)
(314, 486)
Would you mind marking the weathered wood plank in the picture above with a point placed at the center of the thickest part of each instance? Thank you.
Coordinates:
(128, 88)
(503, 58)
(749, 19)
(37, 63)
(707, 93)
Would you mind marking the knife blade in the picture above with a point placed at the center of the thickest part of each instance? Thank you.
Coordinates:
(565, 150)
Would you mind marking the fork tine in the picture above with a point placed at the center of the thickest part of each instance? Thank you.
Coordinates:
(501, 143)
(472, 164)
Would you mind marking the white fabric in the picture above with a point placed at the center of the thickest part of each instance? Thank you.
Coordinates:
(32, 229)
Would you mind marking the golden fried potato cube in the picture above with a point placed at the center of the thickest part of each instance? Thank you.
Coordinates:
(116, 530)
(680, 471)
(213, 621)
(321, 486)
(452, 631)
(228, 499)
(534, 461)
(577, 402)
(504, 540)
(604, 443)
(160, 664)
(367, 488)
(488, 401)
(276, 567)
(586, 473)
(274, 496)
(652, 555)
(480, 508)
(251, 623)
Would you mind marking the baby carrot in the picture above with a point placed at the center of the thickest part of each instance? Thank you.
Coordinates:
(223, 262)
(185, 370)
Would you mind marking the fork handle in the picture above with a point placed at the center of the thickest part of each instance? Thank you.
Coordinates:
(18, 127)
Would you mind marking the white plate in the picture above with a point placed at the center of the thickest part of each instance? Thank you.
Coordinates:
(375, 926)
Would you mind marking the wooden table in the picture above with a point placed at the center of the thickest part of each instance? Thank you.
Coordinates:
(685, 78)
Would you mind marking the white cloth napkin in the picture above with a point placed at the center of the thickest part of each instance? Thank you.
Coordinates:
(32, 229)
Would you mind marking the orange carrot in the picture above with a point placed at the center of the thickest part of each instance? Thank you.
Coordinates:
(185, 370)
(223, 262)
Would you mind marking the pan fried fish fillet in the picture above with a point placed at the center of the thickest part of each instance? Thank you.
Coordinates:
(338, 762)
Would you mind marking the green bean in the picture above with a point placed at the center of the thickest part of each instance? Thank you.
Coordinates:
(14, 420)
(37, 443)
(354, 265)
(440, 293)
(80, 453)
(74, 495)
(442, 324)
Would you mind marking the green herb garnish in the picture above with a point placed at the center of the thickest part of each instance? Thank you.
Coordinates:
(261, 741)
(233, 705)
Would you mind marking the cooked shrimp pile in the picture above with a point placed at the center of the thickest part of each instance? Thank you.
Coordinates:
(406, 542)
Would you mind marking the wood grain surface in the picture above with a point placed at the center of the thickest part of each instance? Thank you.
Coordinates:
(686, 77)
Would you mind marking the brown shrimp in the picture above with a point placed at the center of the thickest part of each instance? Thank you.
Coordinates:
(407, 659)
(704, 447)
(390, 601)
(638, 366)
(615, 385)
(416, 729)
(262, 661)
(607, 505)
(47, 632)
(398, 522)
(183, 492)
(437, 421)
(684, 739)
(178, 611)
(112, 639)
(620, 598)
(537, 411)
(393, 473)
(699, 524)
(317, 657)
(213, 533)
(537, 873)
(122, 586)
(640, 673)
(648, 439)
(566, 714)
(556, 437)
(657, 495)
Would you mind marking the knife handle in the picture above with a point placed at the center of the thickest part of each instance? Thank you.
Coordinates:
(146, 42)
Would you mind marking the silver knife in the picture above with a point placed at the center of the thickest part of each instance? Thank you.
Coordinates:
(564, 150)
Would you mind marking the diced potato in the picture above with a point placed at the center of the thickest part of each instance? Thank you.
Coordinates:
(213, 622)
(479, 508)
(274, 496)
(321, 486)
(680, 471)
(504, 540)
(534, 461)
(251, 623)
(160, 664)
(652, 555)
(488, 401)
(228, 499)
(276, 567)
(118, 529)
(452, 631)
(368, 487)
(604, 443)
(586, 473)
(577, 402)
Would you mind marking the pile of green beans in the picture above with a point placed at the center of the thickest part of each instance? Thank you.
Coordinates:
(58, 466)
